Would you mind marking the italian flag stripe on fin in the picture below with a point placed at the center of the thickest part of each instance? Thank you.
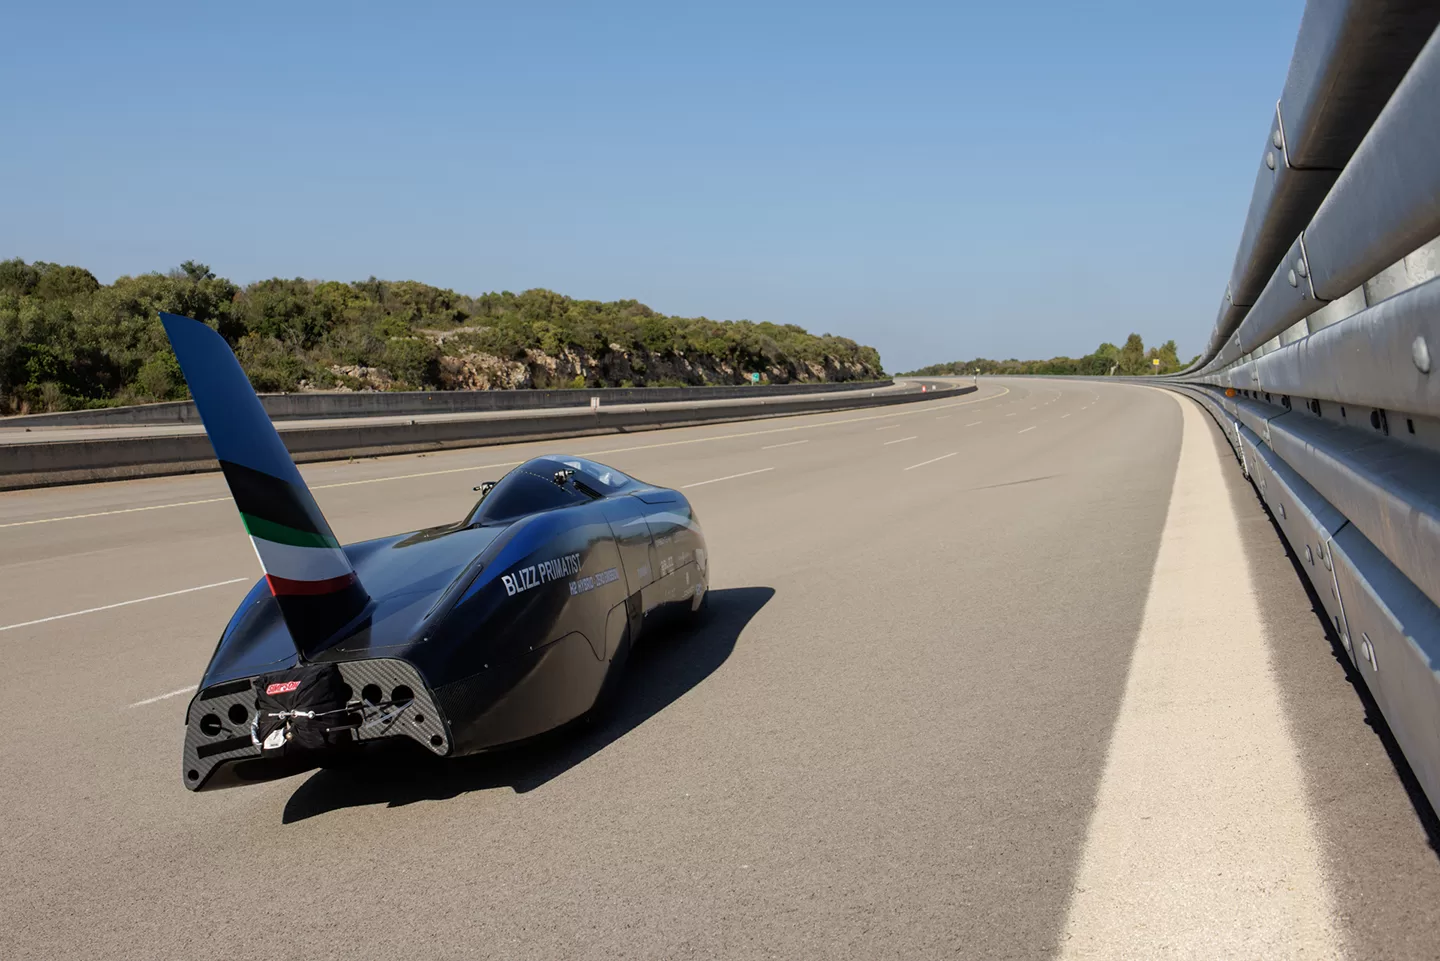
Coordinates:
(281, 534)
(284, 587)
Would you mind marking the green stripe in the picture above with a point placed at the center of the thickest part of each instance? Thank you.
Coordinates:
(280, 534)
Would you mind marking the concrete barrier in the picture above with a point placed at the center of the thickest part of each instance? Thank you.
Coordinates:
(188, 450)
(327, 404)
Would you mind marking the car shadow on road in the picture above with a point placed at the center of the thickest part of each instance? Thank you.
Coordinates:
(660, 672)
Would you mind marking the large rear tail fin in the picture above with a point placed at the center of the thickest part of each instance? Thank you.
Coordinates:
(308, 573)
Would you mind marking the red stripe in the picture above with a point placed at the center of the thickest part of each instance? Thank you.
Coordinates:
(284, 587)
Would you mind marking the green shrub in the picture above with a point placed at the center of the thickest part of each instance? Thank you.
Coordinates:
(412, 361)
(68, 341)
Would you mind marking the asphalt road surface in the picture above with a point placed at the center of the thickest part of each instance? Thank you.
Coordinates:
(1023, 674)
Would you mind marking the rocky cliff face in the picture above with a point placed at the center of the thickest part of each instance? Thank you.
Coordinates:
(617, 367)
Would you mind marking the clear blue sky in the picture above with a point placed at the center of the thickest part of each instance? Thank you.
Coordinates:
(939, 180)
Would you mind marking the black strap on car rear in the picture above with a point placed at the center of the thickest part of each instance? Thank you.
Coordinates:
(309, 705)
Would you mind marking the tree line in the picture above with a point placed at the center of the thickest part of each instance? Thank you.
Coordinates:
(1132, 359)
(69, 342)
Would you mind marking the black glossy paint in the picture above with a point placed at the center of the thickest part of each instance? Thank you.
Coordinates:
(515, 616)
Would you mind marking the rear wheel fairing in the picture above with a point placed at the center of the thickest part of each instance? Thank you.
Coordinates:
(681, 586)
(525, 696)
(523, 649)
(681, 562)
(555, 573)
(632, 535)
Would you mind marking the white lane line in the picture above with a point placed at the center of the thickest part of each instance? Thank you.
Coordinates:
(945, 417)
(162, 697)
(1063, 416)
(1032, 427)
(122, 510)
(888, 427)
(923, 409)
(716, 480)
(138, 600)
(932, 460)
(218, 500)
(428, 473)
(975, 423)
(899, 440)
(917, 409)
(1012, 413)
(1201, 842)
(791, 443)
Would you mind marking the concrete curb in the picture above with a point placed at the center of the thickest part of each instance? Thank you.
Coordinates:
(81, 461)
(334, 405)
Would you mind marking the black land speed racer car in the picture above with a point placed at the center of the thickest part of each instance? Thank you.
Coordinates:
(509, 623)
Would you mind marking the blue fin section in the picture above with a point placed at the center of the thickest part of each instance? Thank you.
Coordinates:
(238, 427)
(265, 484)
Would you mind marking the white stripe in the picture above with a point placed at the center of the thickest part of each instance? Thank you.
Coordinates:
(932, 460)
(120, 510)
(162, 697)
(1032, 427)
(1200, 844)
(716, 480)
(899, 440)
(217, 500)
(107, 607)
(300, 563)
(786, 444)
(975, 424)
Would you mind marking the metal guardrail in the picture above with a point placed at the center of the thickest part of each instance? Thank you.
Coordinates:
(1321, 367)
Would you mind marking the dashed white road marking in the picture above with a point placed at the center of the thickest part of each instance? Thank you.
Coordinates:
(791, 443)
(1201, 843)
(120, 510)
(975, 423)
(220, 500)
(888, 427)
(932, 460)
(1012, 413)
(109, 607)
(428, 473)
(1063, 416)
(1023, 430)
(899, 440)
(163, 697)
(716, 480)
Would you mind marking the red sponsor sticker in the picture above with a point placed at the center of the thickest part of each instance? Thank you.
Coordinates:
(283, 687)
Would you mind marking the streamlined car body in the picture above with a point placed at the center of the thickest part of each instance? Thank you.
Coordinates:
(511, 622)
